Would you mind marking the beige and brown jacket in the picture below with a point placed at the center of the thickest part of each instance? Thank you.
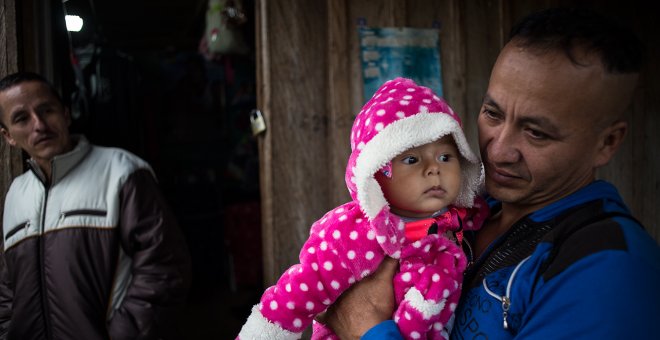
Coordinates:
(94, 255)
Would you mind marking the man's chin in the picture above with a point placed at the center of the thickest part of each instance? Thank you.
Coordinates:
(503, 194)
(47, 153)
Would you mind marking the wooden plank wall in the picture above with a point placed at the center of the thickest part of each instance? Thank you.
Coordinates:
(10, 158)
(295, 168)
(309, 68)
(635, 170)
(310, 90)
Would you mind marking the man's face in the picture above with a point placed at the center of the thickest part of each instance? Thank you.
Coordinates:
(35, 120)
(543, 125)
(424, 179)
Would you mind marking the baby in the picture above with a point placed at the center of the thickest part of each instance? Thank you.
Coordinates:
(414, 181)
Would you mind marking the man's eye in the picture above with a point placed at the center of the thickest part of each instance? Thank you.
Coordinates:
(46, 109)
(19, 119)
(536, 134)
(444, 158)
(491, 114)
(409, 160)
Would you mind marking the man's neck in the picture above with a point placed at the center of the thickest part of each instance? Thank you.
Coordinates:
(498, 224)
(46, 165)
(511, 213)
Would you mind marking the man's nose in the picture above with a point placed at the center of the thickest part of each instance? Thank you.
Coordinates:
(503, 147)
(39, 124)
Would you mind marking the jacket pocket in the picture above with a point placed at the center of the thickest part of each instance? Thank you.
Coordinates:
(88, 215)
(16, 229)
(83, 212)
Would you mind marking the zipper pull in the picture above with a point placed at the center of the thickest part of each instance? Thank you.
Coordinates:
(506, 302)
(469, 254)
(467, 267)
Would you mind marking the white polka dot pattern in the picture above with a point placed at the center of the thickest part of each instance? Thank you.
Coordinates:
(426, 270)
(346, 246)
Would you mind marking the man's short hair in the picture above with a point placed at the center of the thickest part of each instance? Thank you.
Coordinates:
(17, 78)
(564, 29)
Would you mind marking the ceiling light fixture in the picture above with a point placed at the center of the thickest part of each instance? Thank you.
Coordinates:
(74, 23)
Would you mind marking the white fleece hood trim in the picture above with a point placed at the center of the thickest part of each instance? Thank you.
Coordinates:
(416, 130)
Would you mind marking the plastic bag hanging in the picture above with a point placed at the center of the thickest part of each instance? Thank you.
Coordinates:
(222, 34)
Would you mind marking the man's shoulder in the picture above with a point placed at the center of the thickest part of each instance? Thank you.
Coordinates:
(592, 229)
(22, 181)
(116, 158)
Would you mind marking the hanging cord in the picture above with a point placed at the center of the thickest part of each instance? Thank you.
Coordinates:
(68, 33)
(79, 102)
(81, 98)
(506, 299)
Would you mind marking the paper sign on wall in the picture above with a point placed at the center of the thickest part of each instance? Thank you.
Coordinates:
(387, 53)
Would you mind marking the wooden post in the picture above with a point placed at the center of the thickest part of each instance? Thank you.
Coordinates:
(292, 94)
(10, 158)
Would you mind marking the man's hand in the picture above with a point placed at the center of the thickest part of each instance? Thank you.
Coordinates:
(364, 305)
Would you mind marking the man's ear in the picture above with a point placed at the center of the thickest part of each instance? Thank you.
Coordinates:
(609, 141)
(7, 136)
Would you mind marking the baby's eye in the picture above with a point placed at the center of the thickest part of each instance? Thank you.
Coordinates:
(409, 160)
(444, 158)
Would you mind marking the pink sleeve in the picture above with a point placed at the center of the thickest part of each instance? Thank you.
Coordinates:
(476, 215)
(339, 252)
(427, 288)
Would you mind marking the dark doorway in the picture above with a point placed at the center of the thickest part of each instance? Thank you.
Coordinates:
(141, 79)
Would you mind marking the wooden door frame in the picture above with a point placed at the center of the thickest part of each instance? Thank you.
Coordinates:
(27, 42)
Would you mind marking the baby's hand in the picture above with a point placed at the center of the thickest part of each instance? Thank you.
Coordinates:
(364, 305)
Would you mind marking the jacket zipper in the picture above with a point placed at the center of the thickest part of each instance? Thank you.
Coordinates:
(506, 298)
(44, 298)
(477, 262)
(469, 254)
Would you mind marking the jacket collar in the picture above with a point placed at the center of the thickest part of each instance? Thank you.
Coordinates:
(62, 164)
(596, 190)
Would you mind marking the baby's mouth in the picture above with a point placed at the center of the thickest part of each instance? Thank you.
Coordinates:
(435, 189)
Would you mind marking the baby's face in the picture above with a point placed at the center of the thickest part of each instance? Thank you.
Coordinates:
(424, 179)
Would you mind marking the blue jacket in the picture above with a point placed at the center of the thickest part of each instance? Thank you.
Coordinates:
(581, 267)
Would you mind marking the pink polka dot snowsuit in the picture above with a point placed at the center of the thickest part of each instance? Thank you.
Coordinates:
(349, 242)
